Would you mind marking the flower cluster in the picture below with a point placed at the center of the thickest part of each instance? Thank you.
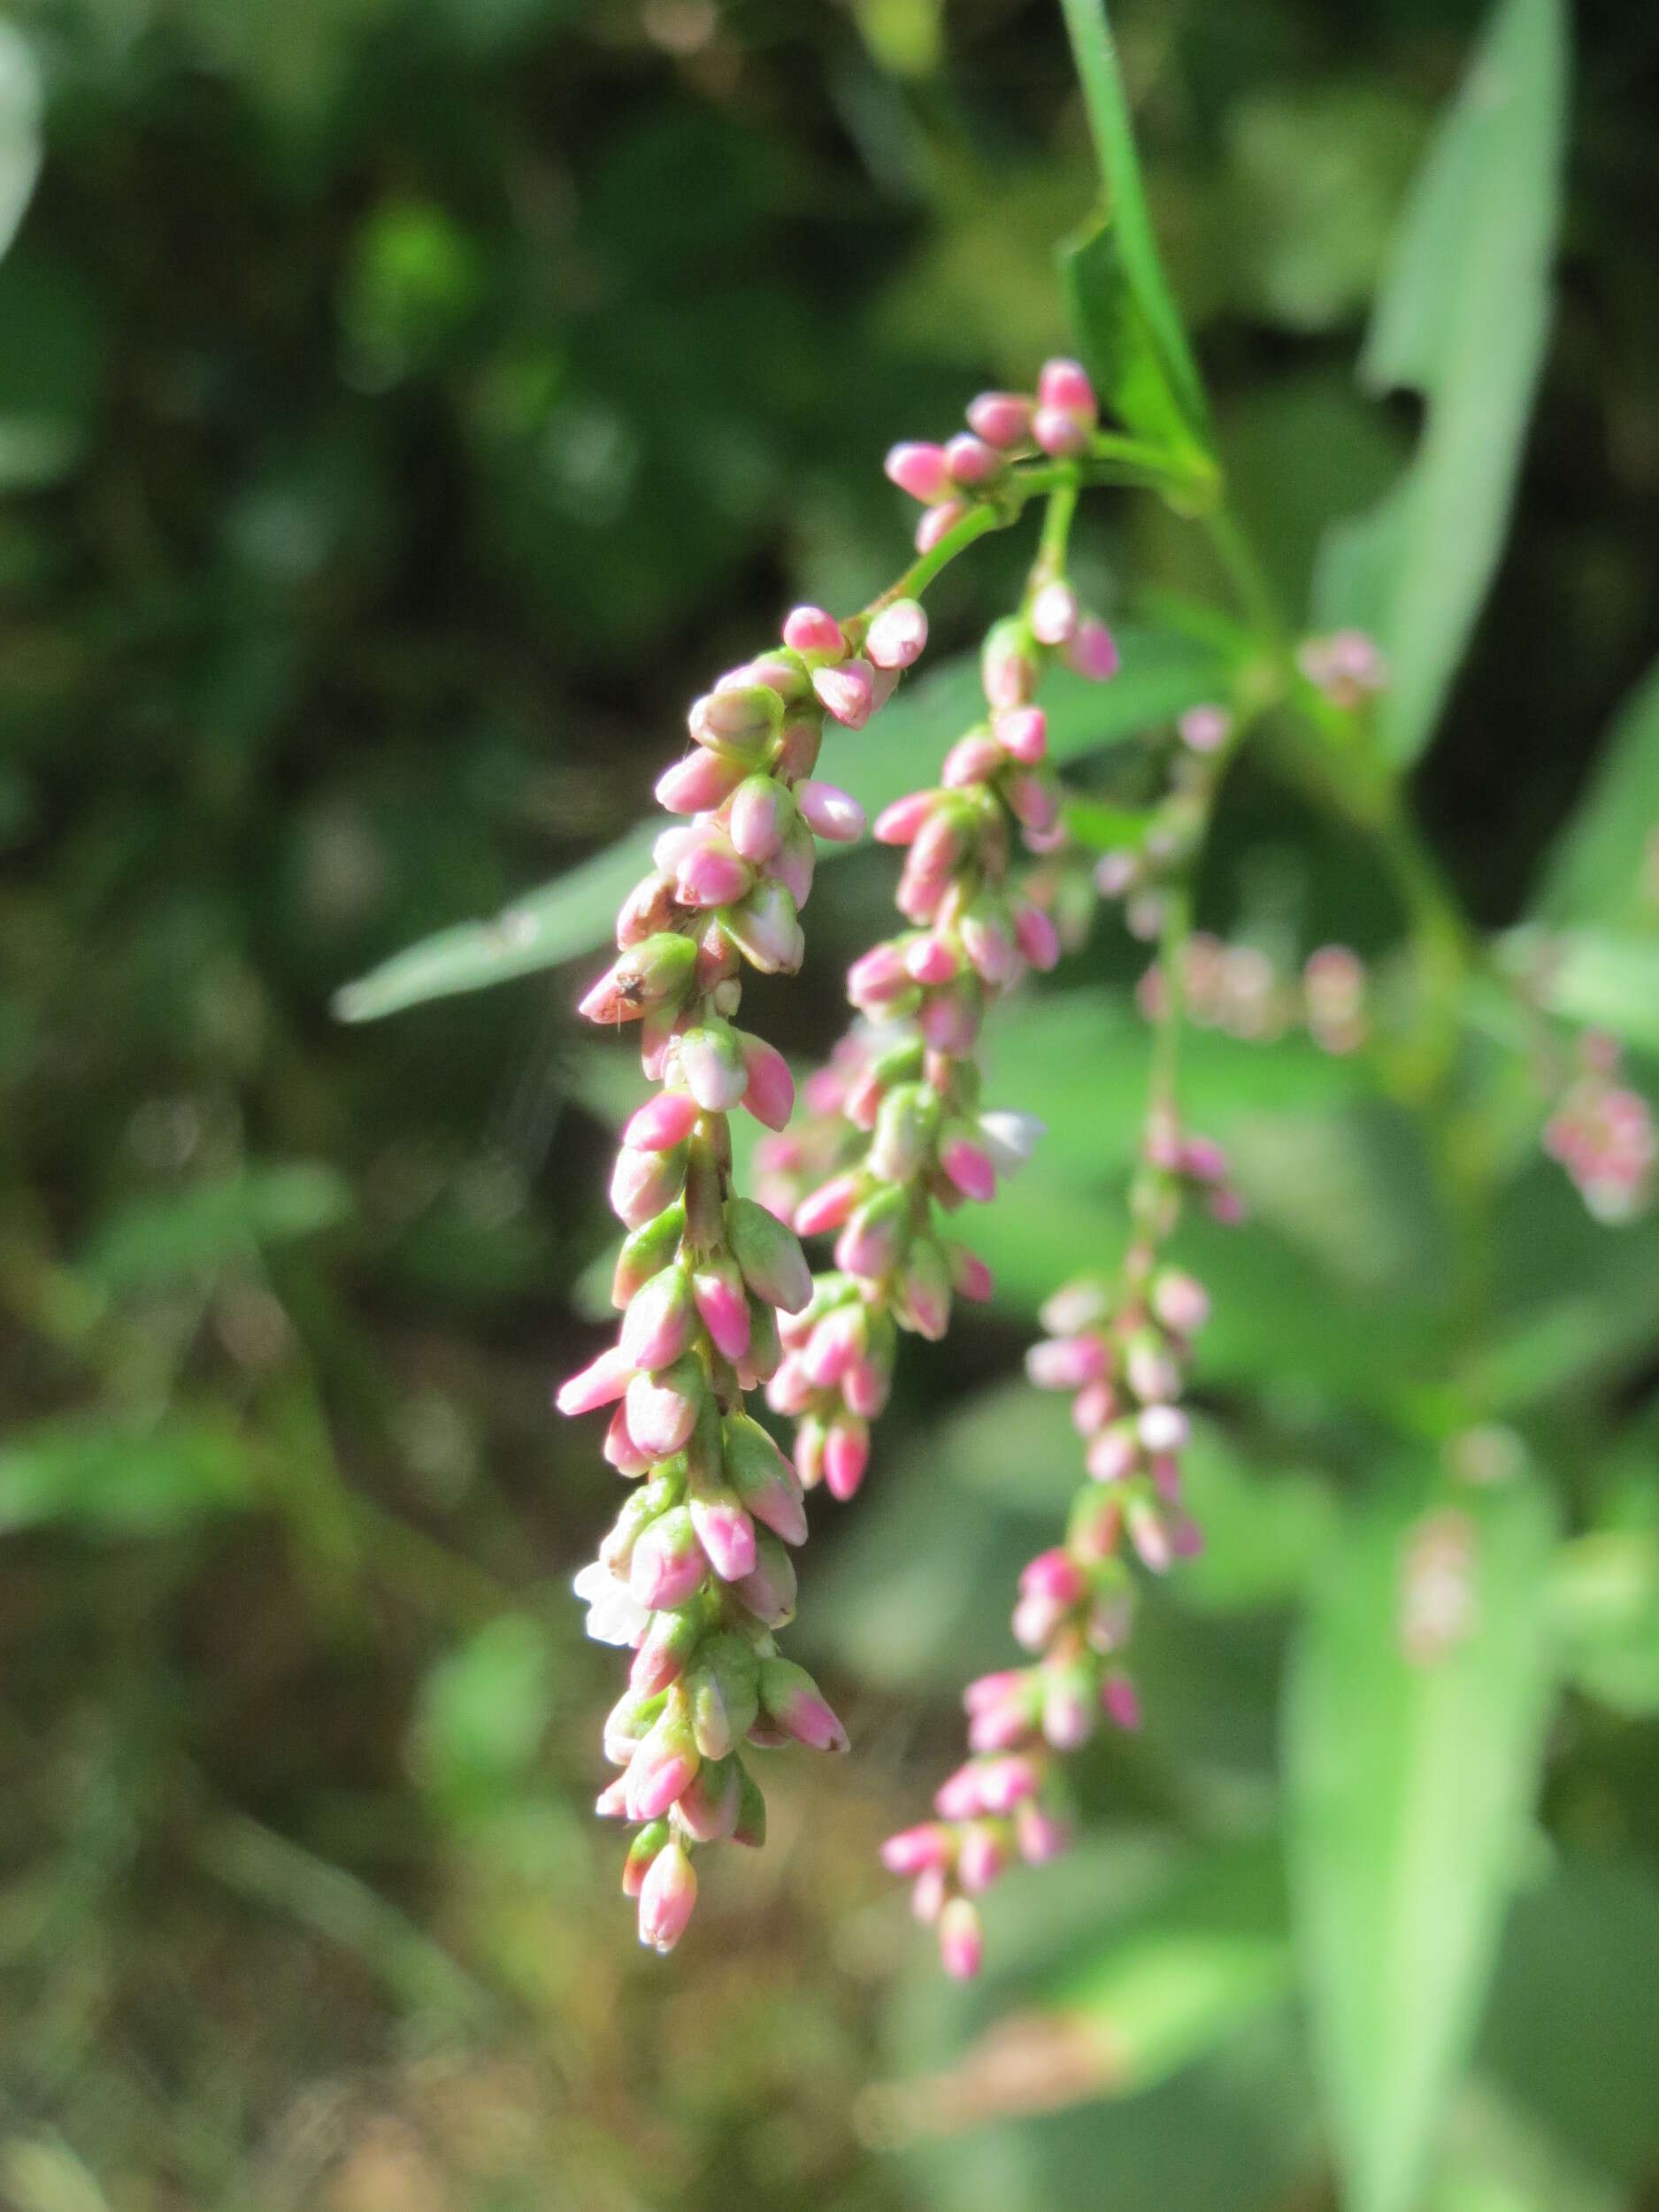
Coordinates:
(1123, 1349)
(1348, 666)
(900, 1135)
(1601, 1131)
(696, 1574)
(1236, 987)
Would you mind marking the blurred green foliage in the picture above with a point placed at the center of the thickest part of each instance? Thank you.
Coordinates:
(405, 405)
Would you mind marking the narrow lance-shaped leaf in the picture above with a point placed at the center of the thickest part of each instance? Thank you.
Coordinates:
(1163, 673)
(1463, 318)
(1414, 1738)
(1605, 868)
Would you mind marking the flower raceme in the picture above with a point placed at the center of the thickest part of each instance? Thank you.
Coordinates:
(696, 1573)
(1122, 1350)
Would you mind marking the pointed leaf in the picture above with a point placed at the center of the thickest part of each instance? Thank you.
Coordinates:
(1463, 318)
(1605, 867)
(1414, 1737)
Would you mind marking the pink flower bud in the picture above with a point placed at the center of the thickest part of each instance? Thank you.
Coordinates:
(646, 974)
(969, 1167)
(989, 943)
(1205, 729)
(1120, 1702)
(666, 1568)
(1113, 1453)
(811, 630)
(611, 1802)
(707, 1808)
(710, 873)
(1054, 614)
(961, 1939)
(1006, 667)
(834, 1344)
(913, 1850)
(972, 759)
(620, 1450)
(703, 779)
(760, 819)
(1094, 1406)
(1004, 1782)
(726, 1535)
(846, 1455)
(865, 1386)
(799, 743)
(716, 1288)
(869, 1245)
(1066, 1363)
(601, 1383)
(769, 1094)
(827, 1207)
(1163, 1428)
(663, 1409)
(1054, 1575)
(770, 1592)
(666, 1898)
(662, 1123)
(918, 470)
(932, 960)
(1002, 418)
(795, 864)
(1059, 435)
(789, 1696)
(763, 1480)
(656, 1326)
(1038, 1834)
(982, 1855)
(897, 636)
(1022, 732)
(1093, 652)
(766, 930)
(900, 823)
(938, 523)
(969, 1275)
(960, 1796)
(1035, 1621)
(1068, 1712)
(1151, 1537)
(929, 1895)
(848, 691)
(710, 1062)
(648, 910)
(739, 720)
(970, 462)
(1036, 936)
(1064, 383)
(830, 813)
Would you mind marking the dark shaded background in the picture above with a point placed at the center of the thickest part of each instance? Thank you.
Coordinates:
(404, 406)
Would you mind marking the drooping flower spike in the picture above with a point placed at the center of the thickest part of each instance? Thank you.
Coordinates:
(696, 1575)
(1122, 1349)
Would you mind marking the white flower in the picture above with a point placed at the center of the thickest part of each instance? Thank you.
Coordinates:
(614, 1616)
(1010, 1139)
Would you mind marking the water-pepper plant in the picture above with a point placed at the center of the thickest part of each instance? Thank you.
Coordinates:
(1473, 1533)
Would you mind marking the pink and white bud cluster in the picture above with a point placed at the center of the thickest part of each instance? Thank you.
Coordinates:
(1348, 666)
(1601, 1131)
(1059, 419)
(907, 1081)
(696, 1575)
(1123, 1351)
(1139, 874)
(1236, 989)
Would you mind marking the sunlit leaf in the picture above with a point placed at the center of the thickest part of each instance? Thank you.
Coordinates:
(20, 129)
(1605, 865)
(1414, 1735)
(1606, 1596)
(1463, 318)
(1600, 977)
(1136, 382)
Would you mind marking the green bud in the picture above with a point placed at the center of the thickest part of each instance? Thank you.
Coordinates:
(723, 1690)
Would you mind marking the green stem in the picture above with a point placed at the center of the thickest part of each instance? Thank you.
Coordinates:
(1247, 577)
(1106, 103)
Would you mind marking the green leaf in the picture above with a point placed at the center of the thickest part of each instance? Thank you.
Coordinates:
(1600, 977)
(1414, 1738)
(1606, 1602)
(484, 1710)
(20, 129)
(113, 1480)
(1186, 1977)
(1603, 869)
(1119, 345)
(1266, 1532)
(1162, 674)
(208, 1225)
(1463, 318)
(1107, 106)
